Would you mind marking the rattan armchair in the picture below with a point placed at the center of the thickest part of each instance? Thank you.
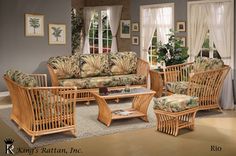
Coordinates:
(206, 85)
(42, 110)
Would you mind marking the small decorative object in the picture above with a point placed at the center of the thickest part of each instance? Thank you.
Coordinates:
(34, 25)
(172, 52)
(57, 33)
(103, 91)
(125, 29)
(183, 39)
(181, 26)
(135, 40)
(127, 88)
(135, 27)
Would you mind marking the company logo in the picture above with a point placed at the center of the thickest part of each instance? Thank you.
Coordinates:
(9, 145)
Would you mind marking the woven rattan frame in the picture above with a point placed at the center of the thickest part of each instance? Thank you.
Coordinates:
(42, 110)
(206, 85)
(172, 122)
(85, 94)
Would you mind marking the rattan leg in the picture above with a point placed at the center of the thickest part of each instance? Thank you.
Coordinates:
(32, 139)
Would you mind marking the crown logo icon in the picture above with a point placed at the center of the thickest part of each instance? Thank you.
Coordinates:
(9, 141)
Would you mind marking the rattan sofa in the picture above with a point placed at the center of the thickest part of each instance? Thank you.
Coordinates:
(203, 78)
(38, 109)
(88, 71)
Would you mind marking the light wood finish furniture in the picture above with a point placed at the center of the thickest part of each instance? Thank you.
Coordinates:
(205, 85)
(156, 82)
(141, 101)
(85, 94)
(42, 110)
(172, 122)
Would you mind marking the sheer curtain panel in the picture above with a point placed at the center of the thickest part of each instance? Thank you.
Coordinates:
(88, 14)
(114, 14)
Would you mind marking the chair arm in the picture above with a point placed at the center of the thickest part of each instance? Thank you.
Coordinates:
(53, 75)
(179, 72)
(50, 102)
(41, 79)
(143, 67)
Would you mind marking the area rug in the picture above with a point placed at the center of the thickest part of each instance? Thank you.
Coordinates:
(88, 125)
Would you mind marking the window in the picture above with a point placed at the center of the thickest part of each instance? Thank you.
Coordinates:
(208, 48)
(163, 15)
(100, 36)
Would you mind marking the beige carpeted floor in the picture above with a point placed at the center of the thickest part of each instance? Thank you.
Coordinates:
(213, 131)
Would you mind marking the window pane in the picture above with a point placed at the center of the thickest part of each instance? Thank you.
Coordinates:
(109, 43)
(104, 43)
(104, 34)
(95, 50)
(109, 34)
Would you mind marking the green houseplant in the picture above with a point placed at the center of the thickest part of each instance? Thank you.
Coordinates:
(172, 52)
(77, 23)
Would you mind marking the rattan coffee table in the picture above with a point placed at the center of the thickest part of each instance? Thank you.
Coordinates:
(141, 101)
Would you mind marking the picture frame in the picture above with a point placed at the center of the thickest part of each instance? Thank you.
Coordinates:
(125, 29)
(34, 25)
(183, 39)
(181, 26)
(135, 27)
(57, 33)
(135, 40)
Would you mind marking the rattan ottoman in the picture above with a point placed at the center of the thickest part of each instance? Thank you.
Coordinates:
(175, 112)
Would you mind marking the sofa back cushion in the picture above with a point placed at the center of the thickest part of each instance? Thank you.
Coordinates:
(65, 66)
(94, 65)
(21, 78)
(205, 63)
(122, 63)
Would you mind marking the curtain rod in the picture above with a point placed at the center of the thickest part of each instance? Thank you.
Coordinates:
(209, 1)
(104, 6)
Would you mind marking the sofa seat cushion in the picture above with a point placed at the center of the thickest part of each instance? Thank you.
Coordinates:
(21, 78)
(122, 63)
(108, 81)
(180, 87)
(175, 103)
(205, 63)
(65, 66)
(92, 65)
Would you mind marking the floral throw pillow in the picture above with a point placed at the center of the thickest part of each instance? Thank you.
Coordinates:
(94, 65)
(122, 63)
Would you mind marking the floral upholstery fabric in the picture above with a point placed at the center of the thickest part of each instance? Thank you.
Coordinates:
(94, 65)
(122, 63)
(65, 66)
(175, 103)
(21, 78)
(180, 87)
(204, 63)
(108, 81)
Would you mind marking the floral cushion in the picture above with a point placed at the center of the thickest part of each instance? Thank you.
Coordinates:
(94, 65)
(65, 66)
(21, 78)
(180, 87)
(205, 63)
(108, 81)
(122, 63)
(175, 103)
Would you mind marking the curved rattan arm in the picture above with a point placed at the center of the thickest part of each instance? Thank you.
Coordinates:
(179, 72)
(143, 68)
(207, 86)
(52, 73)
(41, 79)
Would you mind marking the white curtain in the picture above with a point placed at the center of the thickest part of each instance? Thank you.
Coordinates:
(148, 29)
(220, 23)
(88, 14)
(114, 14)
(198, 28)
(164, 22)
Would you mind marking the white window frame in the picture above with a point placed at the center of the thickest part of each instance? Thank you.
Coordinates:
(142, 7)
(100, 30)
